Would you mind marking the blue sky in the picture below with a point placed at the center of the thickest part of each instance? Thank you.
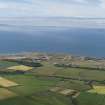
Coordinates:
(52, 8)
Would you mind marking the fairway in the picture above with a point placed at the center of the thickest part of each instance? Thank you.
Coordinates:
(7, 83)
(4, 94)
(20, 67)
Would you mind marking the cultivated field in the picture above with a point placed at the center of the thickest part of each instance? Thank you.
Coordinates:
(52, 85)
(20, 67)
(98, 90)
(7, 83)
(5, 94)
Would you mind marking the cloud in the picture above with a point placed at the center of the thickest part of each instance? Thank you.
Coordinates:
(102, 4)
(17, 1)
(67, 8)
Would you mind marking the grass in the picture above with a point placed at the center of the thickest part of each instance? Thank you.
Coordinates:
(90, 99)
(33, 88)
(33, 91)
(93, 75)
(43, 98)
(74, 84)
(47, 98)
(30, 84)
(72, 72)
(49, 70)
(5, 64)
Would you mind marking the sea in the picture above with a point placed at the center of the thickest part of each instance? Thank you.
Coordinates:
(76, 36)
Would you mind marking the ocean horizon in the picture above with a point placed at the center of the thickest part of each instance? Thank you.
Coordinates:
(86, 42)
(84, 37)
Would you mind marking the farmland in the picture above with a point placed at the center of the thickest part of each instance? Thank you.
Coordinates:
(7, 83)
(5, 94)
(98, 90)
(71, 83)
(20, 67)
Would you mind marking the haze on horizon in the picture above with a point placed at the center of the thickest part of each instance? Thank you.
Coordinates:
(52, 8)
(16, 13)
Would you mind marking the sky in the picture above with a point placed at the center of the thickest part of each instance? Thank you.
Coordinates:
(52, 8)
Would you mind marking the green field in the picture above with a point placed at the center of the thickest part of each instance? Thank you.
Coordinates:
(29, 85)
(90, 99)
(4, 64)
(50, 70)
(34, 86)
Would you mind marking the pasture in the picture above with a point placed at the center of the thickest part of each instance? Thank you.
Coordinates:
(48, 69)
(86, 98)
(33, 91)
(5, 64)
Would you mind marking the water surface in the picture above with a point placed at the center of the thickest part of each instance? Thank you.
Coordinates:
(77, 41)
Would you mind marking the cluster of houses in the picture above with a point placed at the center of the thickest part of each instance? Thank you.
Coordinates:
(47, 56)
(66, 65)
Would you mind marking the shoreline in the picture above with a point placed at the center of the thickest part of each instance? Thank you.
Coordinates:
(25, 53)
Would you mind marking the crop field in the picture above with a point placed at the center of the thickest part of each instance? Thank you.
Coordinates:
(5, 94)
(98, 90)
(20, 67)
(51, 85)
(30, 85)
(7, 83)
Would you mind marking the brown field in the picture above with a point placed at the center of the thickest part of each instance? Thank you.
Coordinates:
(6, 83)
(5, 94)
